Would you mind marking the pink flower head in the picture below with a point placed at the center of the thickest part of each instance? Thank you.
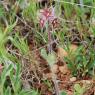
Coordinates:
(46, 15)
(42, 23)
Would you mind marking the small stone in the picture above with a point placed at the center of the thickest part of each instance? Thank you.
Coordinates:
(87, 81)
(26, 85)
(73, 79)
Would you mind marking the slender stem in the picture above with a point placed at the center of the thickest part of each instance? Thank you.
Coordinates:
(53, 74)
(49, 41)
(55, 83)
(50, 51)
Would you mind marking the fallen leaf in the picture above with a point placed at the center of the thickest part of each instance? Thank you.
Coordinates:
(64, 69)
(73, 47)
(61, 53)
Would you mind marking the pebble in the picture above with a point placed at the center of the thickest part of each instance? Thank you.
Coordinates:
(73, 79)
